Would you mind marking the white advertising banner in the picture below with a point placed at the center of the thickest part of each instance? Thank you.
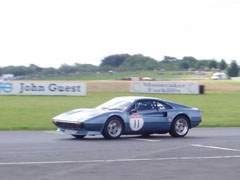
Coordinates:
(62, 88)
(165, 87)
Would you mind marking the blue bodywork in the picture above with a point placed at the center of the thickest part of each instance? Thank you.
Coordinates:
(157, 120)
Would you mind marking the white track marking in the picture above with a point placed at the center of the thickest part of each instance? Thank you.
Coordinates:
(120, 160)
(149, 140)
(215, 147)
(53, 132)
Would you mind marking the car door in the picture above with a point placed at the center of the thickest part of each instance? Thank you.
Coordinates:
(149, 116)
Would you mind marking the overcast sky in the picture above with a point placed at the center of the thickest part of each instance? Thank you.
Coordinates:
(52, 32)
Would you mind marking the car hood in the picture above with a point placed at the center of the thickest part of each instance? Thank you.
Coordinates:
(79, 115)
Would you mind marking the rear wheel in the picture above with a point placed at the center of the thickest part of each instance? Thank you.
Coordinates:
(113, 128)
(79, 136)
(180, 127)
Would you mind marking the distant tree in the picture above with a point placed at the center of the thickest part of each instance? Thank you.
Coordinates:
(124, 62)
(64, 68)
(50, 70)
(187, 62)
(201, 64)
(139, 62)
(212, 64)
(114, 60)
(34, 69)
(169, 58)
(85, 67)
(16, 70)
(233, 70)
(183, 65)
(189, 58)
(222, 65)
(168, 65)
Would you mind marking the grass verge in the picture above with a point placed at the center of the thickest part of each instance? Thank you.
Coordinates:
(35, 112)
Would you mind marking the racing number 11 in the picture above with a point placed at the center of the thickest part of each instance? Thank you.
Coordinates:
(136, 122)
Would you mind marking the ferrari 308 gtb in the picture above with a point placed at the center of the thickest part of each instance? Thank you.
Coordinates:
(129, 115)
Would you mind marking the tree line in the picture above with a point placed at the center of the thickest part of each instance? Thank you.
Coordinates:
(126, 62)
(140, 62)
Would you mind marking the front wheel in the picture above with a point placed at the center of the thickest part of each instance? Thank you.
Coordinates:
(180, 127)
(113, 128)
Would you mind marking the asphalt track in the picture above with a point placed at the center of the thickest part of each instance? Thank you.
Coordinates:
(205, 153)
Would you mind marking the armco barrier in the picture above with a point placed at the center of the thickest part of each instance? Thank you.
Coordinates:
(124, 86)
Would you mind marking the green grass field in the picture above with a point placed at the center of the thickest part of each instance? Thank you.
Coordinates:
(35, 112)
(107, 76)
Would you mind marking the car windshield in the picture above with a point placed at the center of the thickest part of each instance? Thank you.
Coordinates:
(116, 104)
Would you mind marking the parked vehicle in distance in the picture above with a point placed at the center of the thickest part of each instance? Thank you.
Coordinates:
(219, 76)
(129, 115)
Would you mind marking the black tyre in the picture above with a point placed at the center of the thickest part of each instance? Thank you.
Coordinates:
(180, 127)
(146, 135)
(113, 128)
(79, 136)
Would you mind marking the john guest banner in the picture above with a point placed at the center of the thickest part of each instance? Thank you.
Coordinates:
(64, 88)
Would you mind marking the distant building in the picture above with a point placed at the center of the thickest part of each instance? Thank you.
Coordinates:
(6, 77)
(235, 78)
(219, 76)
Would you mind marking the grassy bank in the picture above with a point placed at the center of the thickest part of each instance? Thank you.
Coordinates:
(120, 75)
(35, 112)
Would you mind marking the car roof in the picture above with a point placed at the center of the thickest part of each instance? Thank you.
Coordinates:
(136, 97)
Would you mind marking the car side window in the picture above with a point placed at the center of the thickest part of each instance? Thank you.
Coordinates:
(161, 106)
(145, 105)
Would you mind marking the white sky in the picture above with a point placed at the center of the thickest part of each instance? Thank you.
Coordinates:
(52, 32)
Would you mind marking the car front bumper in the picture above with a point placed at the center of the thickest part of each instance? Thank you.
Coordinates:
(78, 132)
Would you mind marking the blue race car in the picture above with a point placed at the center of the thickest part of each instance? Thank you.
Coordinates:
(129, 115)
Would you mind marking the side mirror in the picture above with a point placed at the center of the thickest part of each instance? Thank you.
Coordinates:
(133, 111)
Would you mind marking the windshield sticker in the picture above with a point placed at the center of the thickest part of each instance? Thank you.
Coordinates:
(136, 122)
